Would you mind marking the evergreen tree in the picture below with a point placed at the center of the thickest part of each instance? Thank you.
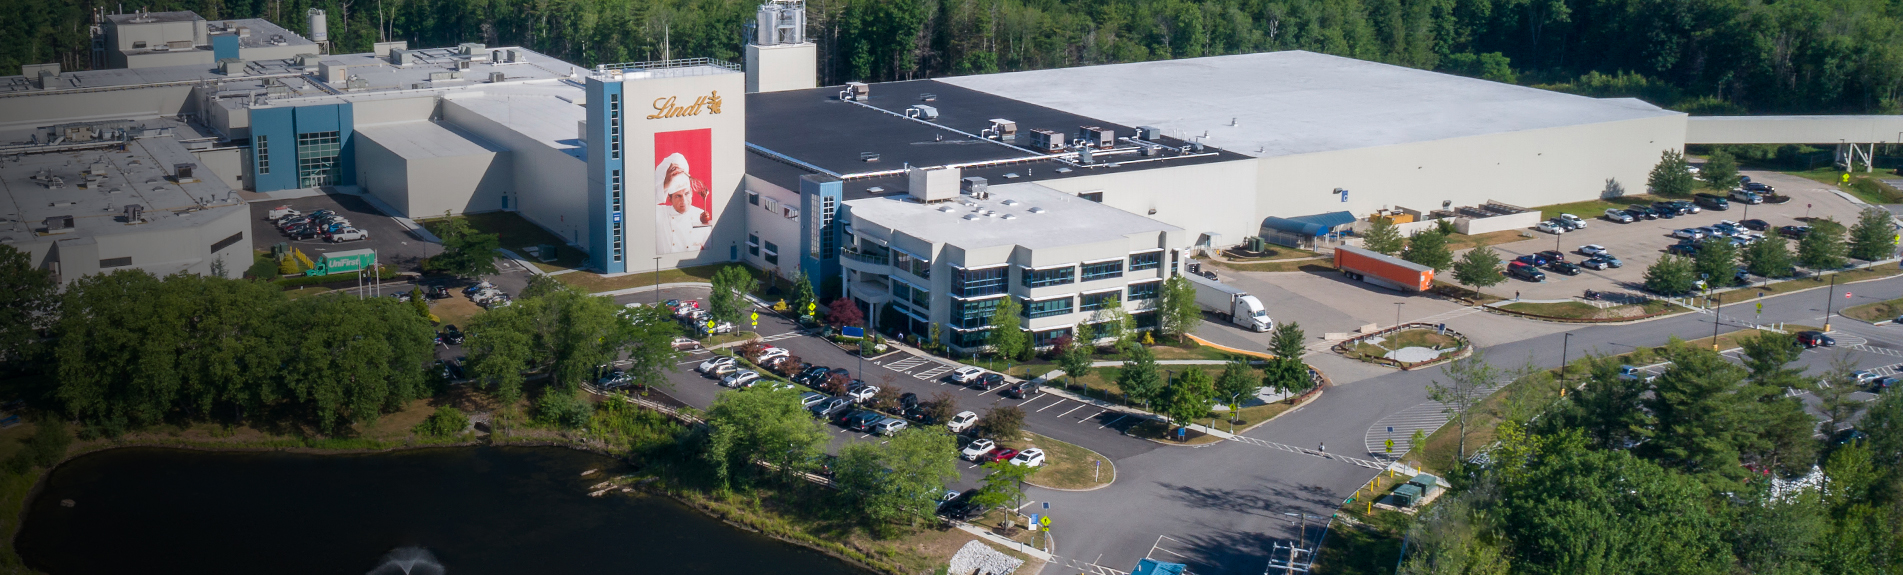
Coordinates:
(803, 297)
(1384, 237)
(1288, 341)
(1874, 236)
(1720, 171)
(1671, 177)
(1823, 248)
(1479, 268)
(1075, 358)
(1429, 248)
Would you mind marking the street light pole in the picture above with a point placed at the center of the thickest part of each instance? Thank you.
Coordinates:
(1565, 344)
(1397, 313)
(1716, 314)
(657, 279)
(1828, 296)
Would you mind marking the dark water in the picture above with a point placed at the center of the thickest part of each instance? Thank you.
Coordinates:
(475, 510)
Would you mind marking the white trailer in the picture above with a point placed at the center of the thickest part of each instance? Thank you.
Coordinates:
(1231, 304)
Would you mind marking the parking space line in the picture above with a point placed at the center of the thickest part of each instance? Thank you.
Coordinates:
(1092, 416)
(1079, 406)
(1053, 404)
(1026, 504)
(1113, 421)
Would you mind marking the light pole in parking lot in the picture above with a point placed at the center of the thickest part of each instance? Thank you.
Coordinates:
(1565, 345)
(1397, 313)
(657, 279)
(1828, 294)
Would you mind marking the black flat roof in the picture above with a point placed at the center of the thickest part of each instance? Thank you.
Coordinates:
(817, 128)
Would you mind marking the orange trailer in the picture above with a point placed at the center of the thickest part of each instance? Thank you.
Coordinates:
(1385, 271)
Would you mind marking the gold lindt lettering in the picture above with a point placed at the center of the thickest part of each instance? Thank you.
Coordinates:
(667, 107)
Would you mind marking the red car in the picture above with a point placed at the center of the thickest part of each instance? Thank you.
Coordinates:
(1001, 454)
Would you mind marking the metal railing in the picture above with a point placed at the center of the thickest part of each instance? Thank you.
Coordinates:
(670, 64)
(866, 258)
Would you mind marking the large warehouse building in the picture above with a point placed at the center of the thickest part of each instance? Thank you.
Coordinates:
(689, 162)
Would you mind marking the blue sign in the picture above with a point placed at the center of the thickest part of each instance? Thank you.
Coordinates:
(1344, 196)
(617, 217)
(1047, 505)
(852, 331)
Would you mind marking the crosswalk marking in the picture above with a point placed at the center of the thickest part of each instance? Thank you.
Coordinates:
(905, 364)
(1309, 452)
(933, 372)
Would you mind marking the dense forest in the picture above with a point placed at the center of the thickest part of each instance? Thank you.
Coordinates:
(1709, 56)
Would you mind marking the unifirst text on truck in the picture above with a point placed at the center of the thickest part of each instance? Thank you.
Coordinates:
(1231, 304)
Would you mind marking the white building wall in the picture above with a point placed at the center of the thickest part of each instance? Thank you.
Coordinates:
(369, 111)
(227, 163)
(1531, 168)
(1215, 197)
(470, 183)
(386, 175)
(728, 155)
(772, 226)
(547, 184)
(29, 109)
(782, 67)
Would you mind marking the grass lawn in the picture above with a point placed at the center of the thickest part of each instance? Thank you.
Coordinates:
(1875, 312)
(1791, 285)
(1459, 242)
(1736, 338)
(1068, 466)
(1865, 186)
(595, 283)
(1581, 310)
(455, 310)
(1404, 339)
(1590, 209)
(1280, 253)
(1371, 549)
(516, 234)
(729, 337)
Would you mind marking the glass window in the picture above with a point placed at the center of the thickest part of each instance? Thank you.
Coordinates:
(317, 159)
(264, 155)
(912, 264)
(974, 314)
(1048, 337)
(1145, 320)
(1049, 277)
(918, 296)
(1047, 308)
(753, 197)
(772, 253)
(1103, 270)
(971, 339)
(1145, 290)
(977, 283)
(1146, 261)
(1097, 301)
(753, 245)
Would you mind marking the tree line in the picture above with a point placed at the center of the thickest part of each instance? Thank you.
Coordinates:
(1703, 56)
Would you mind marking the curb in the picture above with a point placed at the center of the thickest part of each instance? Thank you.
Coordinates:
(1113, 470)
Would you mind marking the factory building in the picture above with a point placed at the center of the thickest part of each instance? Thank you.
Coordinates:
(880, 192)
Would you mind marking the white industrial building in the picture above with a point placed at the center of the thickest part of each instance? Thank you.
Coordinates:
(697, 161)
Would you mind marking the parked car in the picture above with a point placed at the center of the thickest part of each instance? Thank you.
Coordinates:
(1609, 261)
(1666, 212)
(281, 212)
(714, 362)
(1813, 338)
(863, 393)
(1686, 249)
(300, 234)
(1689, 233)
(1883, 384)
(889, 426)
(1794, 232)
(1024, 390)
(614, 378)
(829, 407)
(348, 235)
(1572, 221)
(1713, 201)
(1531, 260)
(723, 370)
(1759, 187)
(451, 335)
(1639, 213)
(1001, 454)
(1747, 196)
(773, 352)
(812, 376)
(861, 420)
(965, 375)
(961, 422)
(977, 449)
(1755, 225)
(1550, 227)
(961, 508)
(1594, 250)
(684, 344)
(1567, 268)
(812, 397)
(1633, 373)
(1032, 457)
(1526, 272)
(1619, 215)
(740, 378)
(1595, 264)
(989, 381)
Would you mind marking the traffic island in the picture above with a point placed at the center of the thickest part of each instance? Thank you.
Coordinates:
(1406, 347)
(1582, 312)
(1069, 467)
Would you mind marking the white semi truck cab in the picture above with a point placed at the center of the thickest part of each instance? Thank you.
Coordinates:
(1231, 304)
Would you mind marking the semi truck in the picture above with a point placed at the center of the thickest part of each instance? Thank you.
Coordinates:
(1382, 270)
(342, 262)
(1231, 304)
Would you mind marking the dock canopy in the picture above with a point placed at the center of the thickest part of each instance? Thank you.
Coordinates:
(1154, 567)
(1309, 226)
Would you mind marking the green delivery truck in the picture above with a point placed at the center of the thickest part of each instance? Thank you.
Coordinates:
(342, 262)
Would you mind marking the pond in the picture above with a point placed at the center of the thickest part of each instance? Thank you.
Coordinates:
(452, 510)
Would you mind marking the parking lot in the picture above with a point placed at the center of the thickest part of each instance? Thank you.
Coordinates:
(1641, 243)
(394, 245)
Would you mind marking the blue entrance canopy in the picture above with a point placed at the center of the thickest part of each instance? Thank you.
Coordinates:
(1310, 226)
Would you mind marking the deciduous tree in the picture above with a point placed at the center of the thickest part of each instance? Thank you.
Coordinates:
(1237, 384)
(1429, 248)
(1007, 337)
(1874, 236)
(767, 425)
(1187, 398)
(1479, 268)
(1671, 275)
(1177, 311)
(1823, 248)
(1716, 261)
(1720, 171)
(1002, 423)
(27, 305)
(1769, 257)
(466, 252)
(1138, 378)
(1384, 237)
(898, 479)
(727, 300)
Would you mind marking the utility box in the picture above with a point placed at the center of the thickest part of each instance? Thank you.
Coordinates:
(342, 262)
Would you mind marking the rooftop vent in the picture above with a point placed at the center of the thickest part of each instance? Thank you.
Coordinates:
(976, 187)
(928, 97)
(856, 91)
(135, 214)
(1001, 129)
(947, 209)
(1038, 210)
(875, 190)
(1011, 202)
(1010, 216)
(922, 112)
(973, 217)
(868, 156)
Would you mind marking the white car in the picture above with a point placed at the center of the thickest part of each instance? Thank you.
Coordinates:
(977, 448)
(714, 362)
(741, 378)
(889, 426)
(772, 352)
(966, 374)
(723, 370)
(863, 394)
(1594, 250)
(1550, 227)
(1618, 215)
(1576, 221)
(1864, 376)
(809, 398)
(961, 422)
(1689, 233)
(1032, 457)
(348, 235)
(281, 212)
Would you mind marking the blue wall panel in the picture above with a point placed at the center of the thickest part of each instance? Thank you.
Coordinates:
(278, 126)
(819, 237)
(601, 168)
(224, 46)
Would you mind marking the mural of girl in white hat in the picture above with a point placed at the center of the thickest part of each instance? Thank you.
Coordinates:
(683, 223)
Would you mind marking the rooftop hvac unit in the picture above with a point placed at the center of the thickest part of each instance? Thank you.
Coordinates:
(464, 64)
(334, 72)
(471, 49)
(244, 32)
(183, 172)
(868, 156)
(383, 49)
(932, 184)
(1002, 129)
(56, 224)
(856, 91)
(135, 213)
(1148, 133)
(922, 111)
(976, 186)
(1095, 136)
(356, 83)
(496, 77)
(1046, 140)
(231, 67)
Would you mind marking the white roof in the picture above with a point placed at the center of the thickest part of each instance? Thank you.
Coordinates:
(1296, 102)
(547, 113)
(1023, 214)
(423, 139)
